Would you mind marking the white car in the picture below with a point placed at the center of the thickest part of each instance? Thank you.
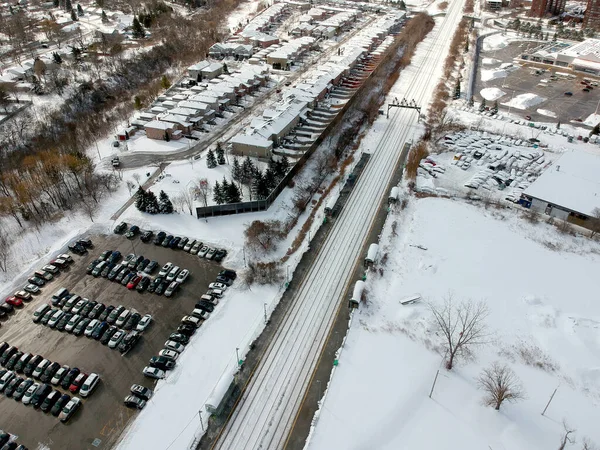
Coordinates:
(90, 327)
(144, 323)
(196, 248)
(176, 346)
(171, 354)
(39, 370)
(203, 251)
(60, 373)
(6, 378)
(89, 385)
(73, 321)
(173, 274)
(50, 268)
(153, 372)
(26, 400)
(55, 318)
(165, 269)
(69, 409)
(221, 286)
(200, 314)
(122, 318)
(182, 276)
(116, 338)
(188, 246)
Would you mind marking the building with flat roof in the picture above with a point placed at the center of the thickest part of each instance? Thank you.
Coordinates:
(591, 18)
(543, 8)
(568, 190)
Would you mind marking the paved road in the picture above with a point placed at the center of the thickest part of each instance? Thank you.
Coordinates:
(269, 405)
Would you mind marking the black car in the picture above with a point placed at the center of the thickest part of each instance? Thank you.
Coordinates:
(160, 362)
(143, 284)
(108, 334)
(80, 327)
(219, 255)
(180, 338)
(151, 267)
(91, 266)
(2, 313)
(182, 242)
(142, 264)
(4, 437)
(135, 261)
(49, 373)
(32, 364)
(167, 240)
(132, 321)
(114, 272)
(161, 288)
(78, 249)
(160, 238)
(99, 330)
(114, 314)
(40, 395)
(12, 386)
(96, 311)
(6, 308)
(3, 346)
(37, 281)
(122, 274)
(107, 269)
(114, 257)
(146, 236)
(64, 320)
(187, 330)
(224, 280)
(20, 391)
(129, 341)
(104, 314)
(8, 353)
(228, 274)
(46, 317)
(87, 309)
(127, 278)
(60, 404)
(121, 228)
(86, 242)
(152, 286)
(174, 242)
(50, 400)
(205, 306)
(13, 360)
(20, 366)
(69, 377)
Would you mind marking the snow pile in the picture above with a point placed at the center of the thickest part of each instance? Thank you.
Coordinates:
(546, 332)
(493, 74)
(592, 120)
(494, 42)
(492, 94)
(525, 101)
(489, 61)
(547, 113)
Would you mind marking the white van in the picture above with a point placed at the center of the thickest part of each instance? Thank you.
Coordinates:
(89, 385)
(39, 312)
(39, 370)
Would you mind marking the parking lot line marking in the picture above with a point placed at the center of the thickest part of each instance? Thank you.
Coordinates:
(104, 431)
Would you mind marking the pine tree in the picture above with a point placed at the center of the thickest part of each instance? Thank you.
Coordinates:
(225, 69)
(211, 162)
(56, 3)
(495, 107)
(558, 125)
(270, 179)
(554, 38)
(140, 199)
(104, 17)
(137, 102)
(167, 137)
(68, 5)
(224, 190)
(37, 85)
(220, 153)
(137, 29)
(233, 194)
(236, 170)
(79, 10)
(74, 17)
(217, 193)
(595, 130)
(482, 105)
(467, 46)
(261, 189)
(471, 101)
(402, 5)
(57, 58)
(457, 89)
(164, 204)
(152, 206)
(247, 170)
(284, 165)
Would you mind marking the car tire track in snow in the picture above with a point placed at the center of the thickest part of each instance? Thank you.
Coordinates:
(266, 411)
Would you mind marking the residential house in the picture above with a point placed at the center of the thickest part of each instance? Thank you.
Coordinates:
(158, 129)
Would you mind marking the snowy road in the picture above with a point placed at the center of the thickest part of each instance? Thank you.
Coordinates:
(267, 409)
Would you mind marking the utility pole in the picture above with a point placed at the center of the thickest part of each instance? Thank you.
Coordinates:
(201, 423)
(265, 306)
(434, 381)
(549, 401)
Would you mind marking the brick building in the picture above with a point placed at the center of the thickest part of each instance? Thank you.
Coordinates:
(542, 8)
(591, 18)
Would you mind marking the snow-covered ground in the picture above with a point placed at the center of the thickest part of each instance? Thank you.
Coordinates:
(492, 94)
(540, 287)
(525, 101)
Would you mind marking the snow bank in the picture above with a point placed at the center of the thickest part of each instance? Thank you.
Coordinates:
(492, 93)
(493, 74)
(525, 101)
(547, 113)
(494, 42)
(592, 120)
(490, 61)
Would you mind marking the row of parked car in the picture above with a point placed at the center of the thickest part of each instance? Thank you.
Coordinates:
(193, 246)
(8, 442)
(167, 357)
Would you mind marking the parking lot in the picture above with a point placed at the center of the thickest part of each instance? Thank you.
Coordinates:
(567, 108)
(103, 416)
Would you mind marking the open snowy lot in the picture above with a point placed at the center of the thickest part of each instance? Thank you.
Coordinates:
(540, 289)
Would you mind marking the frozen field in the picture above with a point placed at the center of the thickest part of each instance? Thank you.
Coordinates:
(543, 312)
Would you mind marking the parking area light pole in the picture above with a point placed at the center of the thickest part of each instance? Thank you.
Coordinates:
(201, 423)
(237, 355)
(265, 307)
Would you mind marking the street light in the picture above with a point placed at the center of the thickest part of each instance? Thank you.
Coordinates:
(237, 355)
(265, 307)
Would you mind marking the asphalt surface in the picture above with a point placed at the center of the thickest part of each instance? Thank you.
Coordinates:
(103, 416)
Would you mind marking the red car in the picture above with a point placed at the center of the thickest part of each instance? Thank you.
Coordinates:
(134, 282)
(77, 383)
(14, 301)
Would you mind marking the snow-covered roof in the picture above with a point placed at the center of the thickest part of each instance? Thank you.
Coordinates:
(573, 182)
(159, 125)
(213, 67)
(199, 66)
(252, 139)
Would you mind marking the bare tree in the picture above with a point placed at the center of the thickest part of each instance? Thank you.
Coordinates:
(588, 445)
(203, 190)
(136, 177)
(178, 201)
(500, 384)
(595, 222)
(130, 186)
(566, 439)
(462, 325)
(263, 236)
(4, 251)
(187, 199)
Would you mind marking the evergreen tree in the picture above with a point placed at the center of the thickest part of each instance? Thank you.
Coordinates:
(167, 137)
(74, 17)
(225, 69)
(220, 153)
(402, 5)
(247, 170)
(284, 165)
(68, 5)
(56, 3)
(270, 179)
(236, 169)
(554, 38)
(164, 204)
(482, 105)
(558, 125)
(137, 29)
(79, 10)
(104, 17)
(595, 130)
(140, 199)
(211, 162)
(224, 190)
(152, 206)
(57, 58)
(37, 85)
(137, 102)
(217, 193)
(233, 193)
(471, 101)
(261, 189)
(467, 45)
(165, 82)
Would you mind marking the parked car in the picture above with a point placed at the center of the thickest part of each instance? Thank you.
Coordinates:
(167, 240)
(219, 255)
(181, 244)
(28, 395)
(146, 236)
(64, 320)
(69, 377)
(153, 372)
(104, 314)
(188, 245)
(116, 338)
(108, 334)
(134, 262)
(59, 375)
(211, 253)
(151, 267)
(182, 276)
(144, 323)
(140, 391)
(228, 274)
(122, 318)
(60, 404)
(32, 364)
(224, 280)
(160, 236)
(191, 320)
(77, 249)
(96, 311)
(39, 370)
(131, 401)
(130, 257)
(77, 309)
(569, 94)
(143, 284)
(23, 295)
(176, 346)
(12, 386)
(160, 289)
(127, 278)
(115, 313)
(142, 265)
(120, 228)
(37, 281)
(40, 395)
(8, 353)
(22, 362)
(132, 321)
(49, 372)
(81, 326)
(22, 389)
(69, 409)
(174, 242)
(70, 303)
(46, 318)
(173, 274)
(165, 269)
(107, 269)
(14, 301)
(188, 330)
(154, 283)
(160, 362)
(89, 385)
(58, 314)
(87, 309)
(221, 286)
(122, 274)
(99, 330)
(5, 379)
(77, 382)
(50, 400)
(203, 251)
(172, 289)
(32, 289)
(166, 353)
(72, 323)
(14, 359)
(180, 338)
(91, 327)
(133, 231)
(129, 341)
(46, 276)
(98, 268)
(5, 308)
(200, 314)
(51, 268)
(196, 248)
